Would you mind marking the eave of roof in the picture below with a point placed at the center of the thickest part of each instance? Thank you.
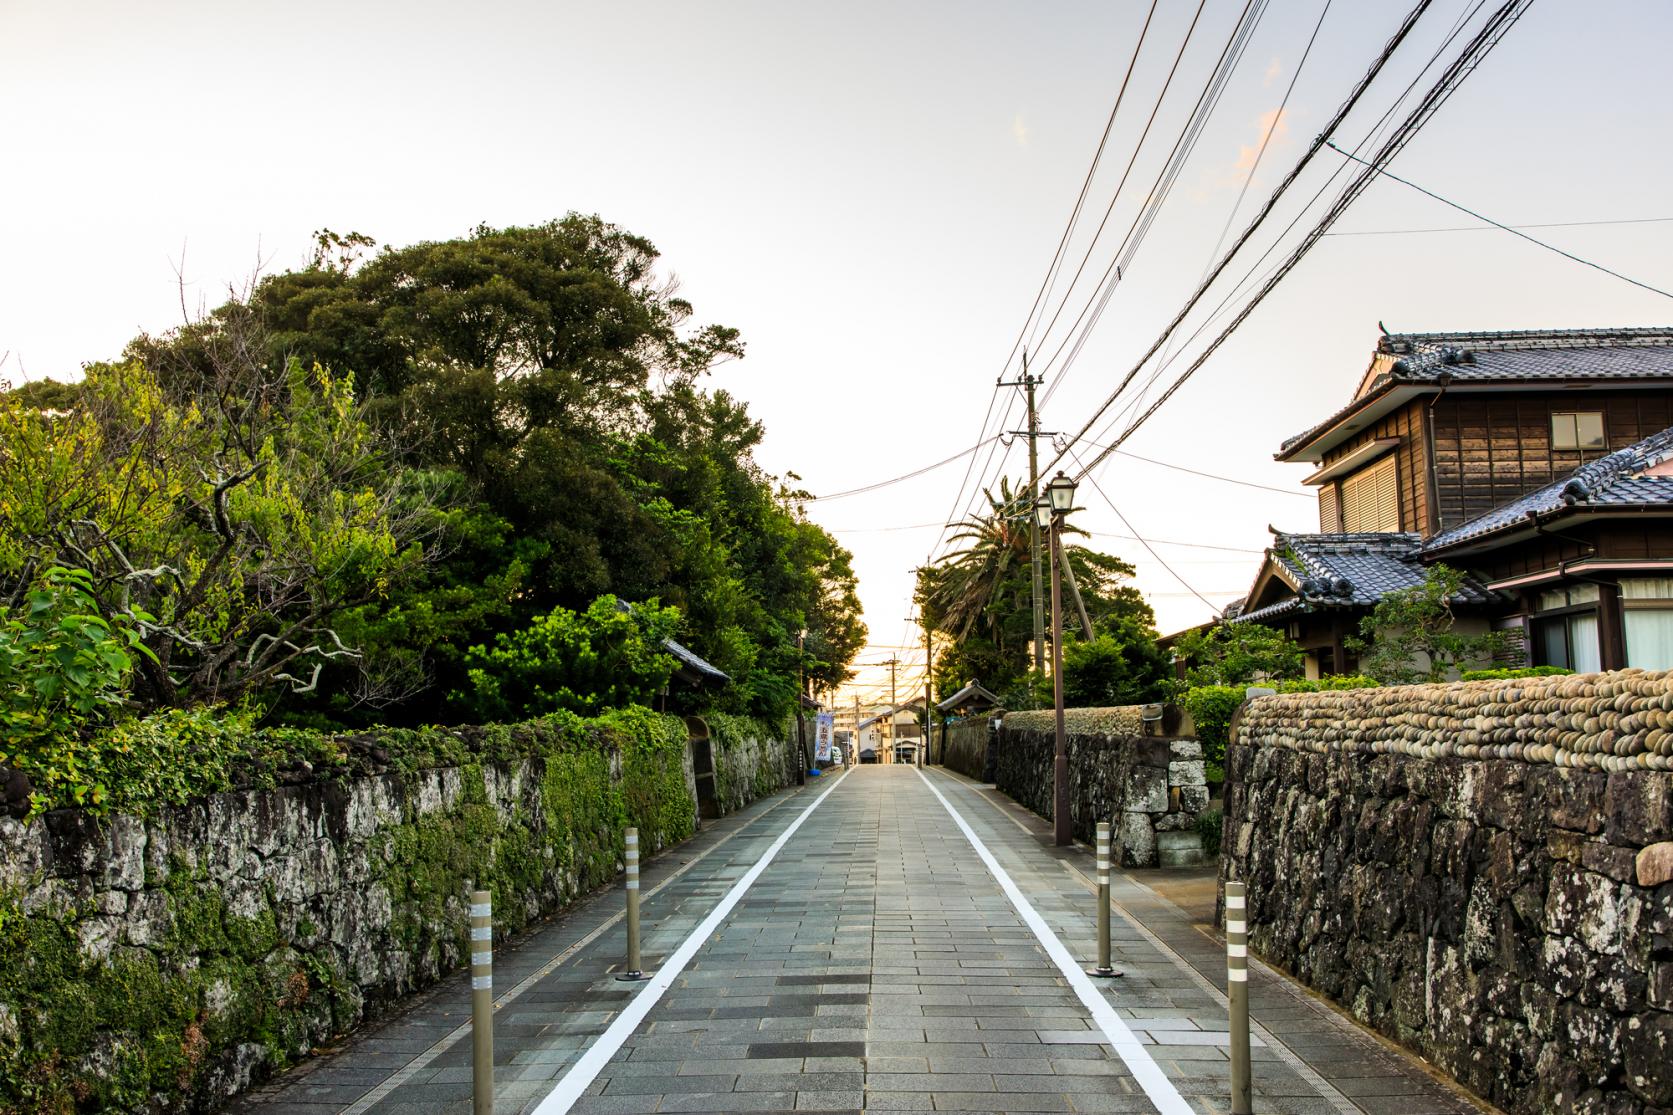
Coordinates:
(1426, 363)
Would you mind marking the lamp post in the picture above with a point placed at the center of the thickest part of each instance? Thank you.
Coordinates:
(801, 693)
(1051, 510)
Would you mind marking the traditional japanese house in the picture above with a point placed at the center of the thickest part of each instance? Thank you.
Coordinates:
(1540, 463)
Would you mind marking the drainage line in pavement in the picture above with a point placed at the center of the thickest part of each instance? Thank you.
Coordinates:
(1144, 1068)
(420, 1062)
(1327, 1091)
(581, 1074)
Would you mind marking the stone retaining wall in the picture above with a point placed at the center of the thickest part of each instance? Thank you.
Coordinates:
(1150, 788)
(166, 963)
(1482, 872)
(962, 745)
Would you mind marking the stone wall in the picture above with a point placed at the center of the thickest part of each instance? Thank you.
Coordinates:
(752, 759)
(1480, 871)
(167, 962)
(1149, 787)
(962, 745)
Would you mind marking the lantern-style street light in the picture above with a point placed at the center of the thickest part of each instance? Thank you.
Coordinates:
(1052, 509)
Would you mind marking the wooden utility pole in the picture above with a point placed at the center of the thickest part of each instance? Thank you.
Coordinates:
(929, 671)
(1028, 383)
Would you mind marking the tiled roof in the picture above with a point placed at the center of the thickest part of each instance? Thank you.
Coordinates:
(1354, 570)
(1612, 481)
(698, 667)
(1524, 356)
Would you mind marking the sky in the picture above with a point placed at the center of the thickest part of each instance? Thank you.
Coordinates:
(872, 193)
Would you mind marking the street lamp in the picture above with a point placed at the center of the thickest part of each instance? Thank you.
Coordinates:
(1051, 510)
(801, 695)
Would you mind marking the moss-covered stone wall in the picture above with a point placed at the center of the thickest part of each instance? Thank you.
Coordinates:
(166, 962)
(752, 758)
(1481, 871)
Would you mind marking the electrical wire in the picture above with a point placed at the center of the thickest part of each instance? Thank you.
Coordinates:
(1490, 228)
(914, 474)
(1184, 144)
(1485, 40)
(1254, 225)
(1206, 475)
(1160, 560)
(1243, 283)
(1496, 224)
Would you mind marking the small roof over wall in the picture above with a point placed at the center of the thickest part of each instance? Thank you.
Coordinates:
(972, 698)
(689, 666)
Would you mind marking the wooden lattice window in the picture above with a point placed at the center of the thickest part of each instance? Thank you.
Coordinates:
(1371, 498)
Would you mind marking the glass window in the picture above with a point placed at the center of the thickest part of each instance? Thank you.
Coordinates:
(1577, 429)
(1649, 633)
(1569, 642)
(1568, 596)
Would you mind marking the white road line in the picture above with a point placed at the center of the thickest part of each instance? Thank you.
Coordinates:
(573, 1083)
(1145, 1070)
(422, 1061)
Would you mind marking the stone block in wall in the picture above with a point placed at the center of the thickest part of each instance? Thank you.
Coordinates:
(1178, 848)
(1147, 790)
(1638, 808)
(1137, 840)
(1186, 772)
(1192, 800)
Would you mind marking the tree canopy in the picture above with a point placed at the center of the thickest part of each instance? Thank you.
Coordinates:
(379, 461)
(979, 600)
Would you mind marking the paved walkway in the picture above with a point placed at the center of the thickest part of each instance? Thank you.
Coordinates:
(879, 961)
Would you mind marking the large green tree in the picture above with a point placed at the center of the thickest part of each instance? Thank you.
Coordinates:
(556, 376)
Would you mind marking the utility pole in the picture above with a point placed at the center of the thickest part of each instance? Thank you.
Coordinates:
(1028, 383)
(892, 663)
(929, 670)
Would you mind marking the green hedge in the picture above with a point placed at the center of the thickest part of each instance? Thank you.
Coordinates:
(1519, 672)
(1211, 708)
(151, 1021)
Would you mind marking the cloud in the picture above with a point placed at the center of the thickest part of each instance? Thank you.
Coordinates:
(1274, 124)
(1274, 69)
(1019, 129)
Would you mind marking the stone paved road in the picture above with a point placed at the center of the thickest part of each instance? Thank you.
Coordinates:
(876, 965)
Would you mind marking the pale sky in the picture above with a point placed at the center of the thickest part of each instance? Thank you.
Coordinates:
(871, 192)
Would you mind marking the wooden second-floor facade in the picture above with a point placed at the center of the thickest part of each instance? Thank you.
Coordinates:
(1441, 460)
(1541, 463)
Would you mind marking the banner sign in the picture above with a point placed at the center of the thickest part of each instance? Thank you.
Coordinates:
(823, 733)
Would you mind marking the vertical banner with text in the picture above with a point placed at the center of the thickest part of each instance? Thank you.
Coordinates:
(823, 733)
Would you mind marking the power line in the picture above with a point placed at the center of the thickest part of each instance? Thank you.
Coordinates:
(914, 474)
(1491, 33)
(1160, 560)
(1307, 157)
(1040, 295)
(1205, 475)
(1184, 144)
(1491, 227)
(1496, 224)
(1221, 308)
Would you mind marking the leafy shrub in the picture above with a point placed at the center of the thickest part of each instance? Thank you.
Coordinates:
(1518, 672)
(1237, 654)
(1208, 827)
(606, 657)
(63, 669)
(1211, 708)
(1410, 635)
